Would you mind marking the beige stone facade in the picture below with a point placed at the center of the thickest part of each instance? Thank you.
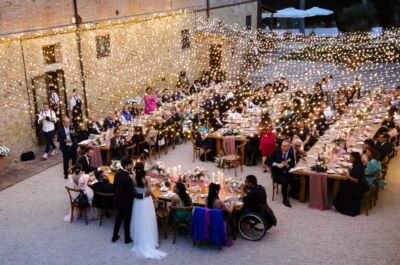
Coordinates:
(144, 51)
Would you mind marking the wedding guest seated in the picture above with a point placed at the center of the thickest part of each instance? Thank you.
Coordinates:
(207, 145)
(195, 88)
(374, 167)
(216, 121)
(80, 181)
(94, 126)
(181, 198)
(383, 146)
(166, 98)
(134, 111)
(125, 114)
(139, 139)
(178, 94)
(103, 185)
(281, 161)
(117, 119)
(118, 145)
(85, 158)
(253, 195)
(109, 121)
(83, 133)
(348, 200)
(151, 135)
(368, 143)
(213, 201)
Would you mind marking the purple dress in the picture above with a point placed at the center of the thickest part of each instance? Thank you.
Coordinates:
(150, 102)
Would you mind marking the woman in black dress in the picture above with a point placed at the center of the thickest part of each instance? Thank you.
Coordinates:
(350, 193)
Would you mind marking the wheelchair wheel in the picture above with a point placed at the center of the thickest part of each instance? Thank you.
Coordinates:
(252, 226)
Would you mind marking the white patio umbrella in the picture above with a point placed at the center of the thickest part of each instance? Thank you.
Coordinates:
(289, 12)
(317, 11)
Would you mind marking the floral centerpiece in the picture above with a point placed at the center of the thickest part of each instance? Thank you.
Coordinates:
(4, 151)
(157, 168)
(196, 174)
(234, 184)
(320, 166)
(115, 165)
(232, 132)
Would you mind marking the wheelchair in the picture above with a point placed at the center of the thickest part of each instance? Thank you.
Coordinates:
(252, 226)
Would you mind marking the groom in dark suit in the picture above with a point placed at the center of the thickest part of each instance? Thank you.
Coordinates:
(123, 198)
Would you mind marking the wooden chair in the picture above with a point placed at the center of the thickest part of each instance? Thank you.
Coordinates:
(367, 201)
(183, 221)
(103, 208)
(196, 149)
(236, 159)
(275, 188)
(74, 202)
(163, 217)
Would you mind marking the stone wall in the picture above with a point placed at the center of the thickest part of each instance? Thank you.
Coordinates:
(22, 15)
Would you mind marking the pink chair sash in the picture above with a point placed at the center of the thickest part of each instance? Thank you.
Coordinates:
(319, 191)
(228, 143)
(96, 160)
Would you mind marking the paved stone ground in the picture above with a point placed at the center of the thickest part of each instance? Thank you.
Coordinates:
(32, 230)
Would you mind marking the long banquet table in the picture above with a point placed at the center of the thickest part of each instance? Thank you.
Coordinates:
(363, 129)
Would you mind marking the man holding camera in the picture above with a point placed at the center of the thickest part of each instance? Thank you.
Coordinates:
(47, 118)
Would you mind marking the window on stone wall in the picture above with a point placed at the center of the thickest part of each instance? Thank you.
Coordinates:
(185, 34)
(52, 53)
(103, 46)
(248, 22)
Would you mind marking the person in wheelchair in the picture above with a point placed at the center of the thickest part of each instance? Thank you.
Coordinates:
(254, 199)
(253, 195)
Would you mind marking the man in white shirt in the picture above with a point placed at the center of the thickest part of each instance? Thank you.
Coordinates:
(54, 99)
(47, 118)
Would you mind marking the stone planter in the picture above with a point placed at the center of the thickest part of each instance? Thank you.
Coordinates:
(2, 163)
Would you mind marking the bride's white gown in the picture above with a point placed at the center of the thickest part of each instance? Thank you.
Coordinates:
(144, 228)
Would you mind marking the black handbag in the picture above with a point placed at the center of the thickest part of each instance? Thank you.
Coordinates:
(82, 200)
(28, 156)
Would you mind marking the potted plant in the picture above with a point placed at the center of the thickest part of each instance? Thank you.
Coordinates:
(4, 151)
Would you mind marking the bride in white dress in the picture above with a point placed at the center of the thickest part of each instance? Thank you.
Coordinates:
(144, 221)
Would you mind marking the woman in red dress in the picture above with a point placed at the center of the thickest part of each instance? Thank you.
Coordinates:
(267, 141)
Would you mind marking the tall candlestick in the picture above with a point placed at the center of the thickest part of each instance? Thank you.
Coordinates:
(213, 177)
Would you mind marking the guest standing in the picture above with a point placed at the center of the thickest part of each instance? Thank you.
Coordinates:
(150, 101)
(123, 198)
(47, 119)
(267, 142)
(118, 145)
(349, 197)
(76, 108)
(68, 144)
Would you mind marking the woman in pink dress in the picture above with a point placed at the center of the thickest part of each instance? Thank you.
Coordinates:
(267, 141)
(150, 101)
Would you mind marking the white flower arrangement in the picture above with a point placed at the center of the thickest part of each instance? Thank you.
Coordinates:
(4, 151)
(196, 174)
(234, 184)
(115, 165)
(158, 167)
